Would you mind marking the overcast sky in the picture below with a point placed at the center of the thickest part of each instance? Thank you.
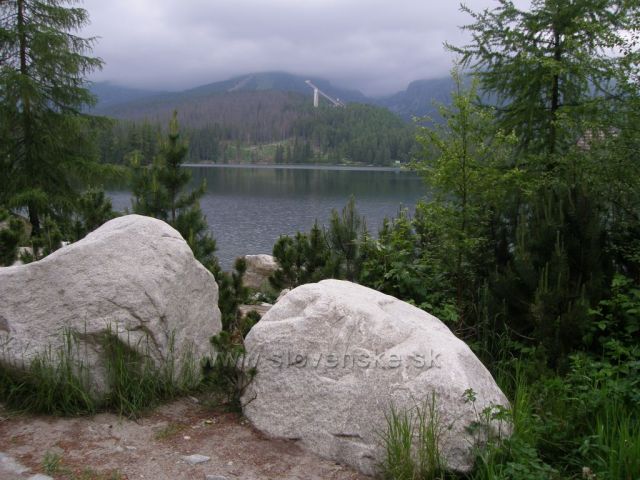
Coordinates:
(376, 46)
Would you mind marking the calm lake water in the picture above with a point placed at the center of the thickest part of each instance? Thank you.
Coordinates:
(249, 207)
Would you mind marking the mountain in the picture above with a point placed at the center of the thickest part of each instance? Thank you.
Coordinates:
(257, 82)
(269, 117)
(109, 94)
(120, 102)
(278, 81)
(252, 116)
(420, 98)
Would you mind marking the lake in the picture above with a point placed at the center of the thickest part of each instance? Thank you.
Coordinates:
(249, 207)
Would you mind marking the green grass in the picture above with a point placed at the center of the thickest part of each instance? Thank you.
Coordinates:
(411, 444)
(170, 430)
(580, 425)
(136, 383)
(55, 382)
(617, 433)
(52, 464)
(58, 381)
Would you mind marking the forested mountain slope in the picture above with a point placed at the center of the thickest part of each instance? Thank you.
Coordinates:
(269, 117)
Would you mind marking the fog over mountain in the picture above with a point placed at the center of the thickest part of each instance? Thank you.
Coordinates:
(418, 99)
(375, 46)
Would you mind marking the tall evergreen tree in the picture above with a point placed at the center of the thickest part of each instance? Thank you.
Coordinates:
(561, 59)
(559, 75)
(44, 148)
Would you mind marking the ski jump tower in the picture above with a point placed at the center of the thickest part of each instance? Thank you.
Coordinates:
(316, 96)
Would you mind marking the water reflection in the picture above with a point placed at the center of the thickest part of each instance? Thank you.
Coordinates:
(248, 208)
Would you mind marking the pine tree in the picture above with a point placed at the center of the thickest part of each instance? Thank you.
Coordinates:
(160, 190)
(343, 235)
(45, 151)
(279, 155)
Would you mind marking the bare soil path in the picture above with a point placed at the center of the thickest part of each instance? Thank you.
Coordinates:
(106, 447)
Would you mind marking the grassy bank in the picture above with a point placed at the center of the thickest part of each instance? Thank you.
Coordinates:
(58, 381)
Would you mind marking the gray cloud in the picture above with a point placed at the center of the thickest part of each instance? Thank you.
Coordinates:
(376, 46)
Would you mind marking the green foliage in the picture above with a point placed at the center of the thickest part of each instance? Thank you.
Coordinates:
(618, 438)
(229, 374)
(159, 191)
(93, 209)
(617, 317)
(358, 134)
(579, 424)
(264, 130)
(392, 262)
(51, 463)
(532, 228)
(343, 239)
(516, 457)
(45, 145)
(232, 293)
(564, 66)
(467, 164)
(48, 240)
(11, 236)
(226, 375)
(334, 252)
(302, 259)
(116, 139)
(525, 224)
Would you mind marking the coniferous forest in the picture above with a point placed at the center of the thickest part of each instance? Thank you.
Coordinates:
(273, 127)
(528, 248)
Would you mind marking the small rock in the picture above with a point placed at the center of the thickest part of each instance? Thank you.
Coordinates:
(195, 459)
(56, 450)
(282, 294)
(262, 309)
(11, 465)
(214, 477)
(129, 447)
(194, 399)
(229, 463)
(187, 437)
(259, 268)
(119, 449)
(40, 476)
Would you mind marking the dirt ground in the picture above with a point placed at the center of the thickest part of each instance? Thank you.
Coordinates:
(105, 446)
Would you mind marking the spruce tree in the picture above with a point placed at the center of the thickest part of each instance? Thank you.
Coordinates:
(45, 151)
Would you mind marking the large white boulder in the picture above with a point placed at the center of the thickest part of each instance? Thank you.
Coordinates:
(333, 358)
(259, 269)
(134, 277)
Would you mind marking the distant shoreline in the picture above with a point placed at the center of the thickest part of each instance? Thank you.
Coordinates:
(297, 167)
